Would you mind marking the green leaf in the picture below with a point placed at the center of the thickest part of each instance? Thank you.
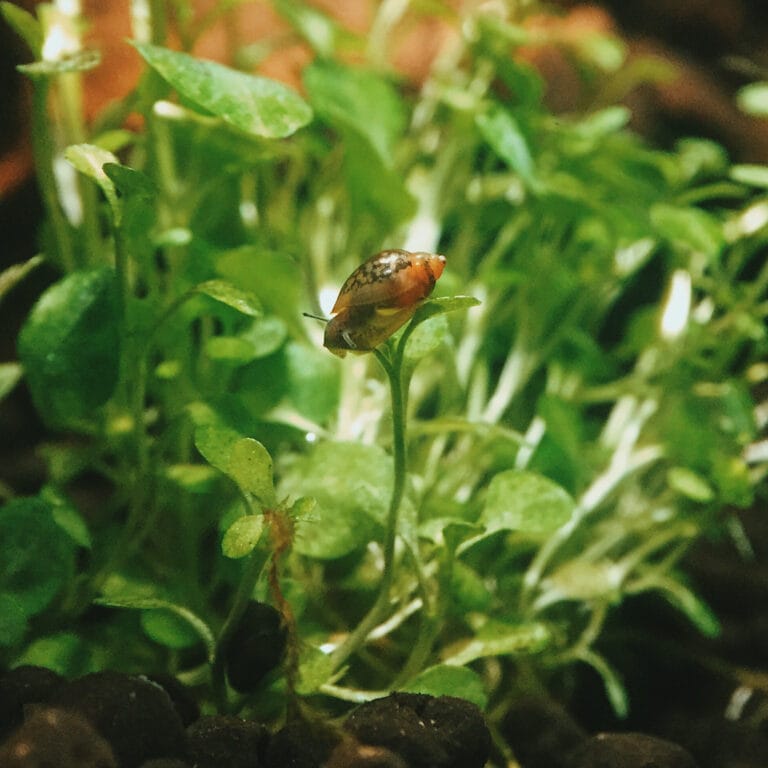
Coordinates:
(14, 274)
(250, 466)
(427, 338)
(226, 293)
(352, 485)
(194, 478)
(750, 174)
(229, 349)
(253, 104)
(36, 561)
(63, 652)
(358, 100)
(524, 501)
(266, 335)
(10, 376)
(168, 629)
(14, 625)
(70, 346)
(142, 603)
(128, 181)
(242, 536)
(90, 161)
(468, 588)
(315, 669)
(441, 305)
(80, 61)
(502, 132)
(497, 639)
(321, 31)
(25, 25)
(690, 484)
(313, 381)
(67, 517)
(445, 680)
(753, 99)
(215, 443)
(689, 227)
(274, 278)
(614, 687)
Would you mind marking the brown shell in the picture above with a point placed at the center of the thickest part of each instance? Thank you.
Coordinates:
(391, 279)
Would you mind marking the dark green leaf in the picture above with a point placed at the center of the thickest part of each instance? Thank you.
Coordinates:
(36, 560)
(67, 517)
(14, 625)
(253, 104)
(70, 346)
(142, 603)
(168, 628)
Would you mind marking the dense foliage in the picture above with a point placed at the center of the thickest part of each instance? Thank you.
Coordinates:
(564, 440)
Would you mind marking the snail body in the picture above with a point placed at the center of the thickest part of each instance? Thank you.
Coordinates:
(379, 297)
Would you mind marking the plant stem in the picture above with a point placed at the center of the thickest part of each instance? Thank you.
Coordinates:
(244, 592)
(392, 363)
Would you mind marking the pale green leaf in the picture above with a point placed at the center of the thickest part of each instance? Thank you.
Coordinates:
(256, 105)
(242, 536)
(518, 500)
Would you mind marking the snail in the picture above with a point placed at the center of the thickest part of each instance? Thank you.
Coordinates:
(379, 297)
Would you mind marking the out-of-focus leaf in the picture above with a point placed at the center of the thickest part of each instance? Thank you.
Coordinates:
(753, 99)
(25, 25)
(524, 501)
(68, 377)
(253, 104)
(445, 680)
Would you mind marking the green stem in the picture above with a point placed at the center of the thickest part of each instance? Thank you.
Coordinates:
(392, 363)
(245, 589)
(43, 147)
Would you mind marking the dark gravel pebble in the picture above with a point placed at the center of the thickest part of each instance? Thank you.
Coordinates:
(719, 743)
(56, 738)
(301, 744)
(218, 741)
(22, 686)
(426, 731)
(182, 698)
(540, 732)
(629, 750)
(136, 716)
(256, 647)
(350, 753)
